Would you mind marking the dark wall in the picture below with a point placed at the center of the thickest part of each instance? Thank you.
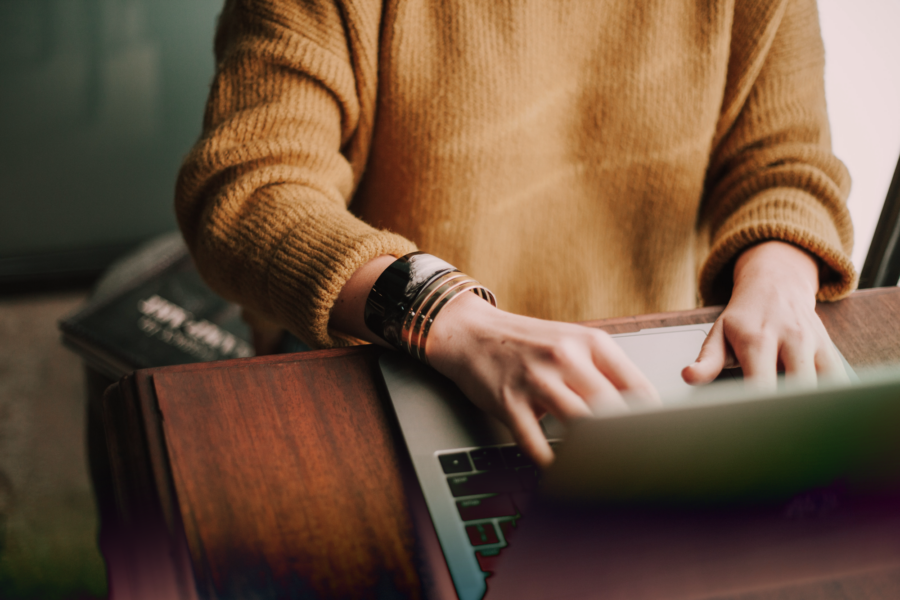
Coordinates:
(99, 101)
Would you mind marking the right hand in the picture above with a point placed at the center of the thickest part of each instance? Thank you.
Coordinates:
(520, 368)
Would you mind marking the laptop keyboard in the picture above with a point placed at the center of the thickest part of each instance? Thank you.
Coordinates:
(491, 487)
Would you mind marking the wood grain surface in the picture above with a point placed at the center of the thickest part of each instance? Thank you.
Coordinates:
(283, 473)
(866, 326)
(287, 478)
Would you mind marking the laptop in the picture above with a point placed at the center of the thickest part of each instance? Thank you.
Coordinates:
(478, 487)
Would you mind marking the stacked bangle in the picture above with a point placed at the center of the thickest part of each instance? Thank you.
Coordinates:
(408, 296)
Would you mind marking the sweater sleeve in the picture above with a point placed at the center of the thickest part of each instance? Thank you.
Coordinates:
(772, 175)
(262, 198)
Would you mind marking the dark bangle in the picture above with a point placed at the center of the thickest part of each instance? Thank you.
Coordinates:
(407, 297)
(396, 289)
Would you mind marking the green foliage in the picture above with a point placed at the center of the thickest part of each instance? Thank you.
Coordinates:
(49, 551)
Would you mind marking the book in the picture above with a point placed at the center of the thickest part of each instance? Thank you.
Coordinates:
(153, 309)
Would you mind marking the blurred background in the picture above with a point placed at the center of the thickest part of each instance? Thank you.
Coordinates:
(862, 87)
(101, 99)
(99, 102)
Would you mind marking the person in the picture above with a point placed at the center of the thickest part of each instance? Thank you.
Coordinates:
(580, 159)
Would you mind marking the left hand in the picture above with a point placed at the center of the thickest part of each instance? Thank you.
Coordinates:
(770, 323)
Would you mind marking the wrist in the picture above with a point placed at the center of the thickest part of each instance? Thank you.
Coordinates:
(348, 310)
(454, 329)
(777, 262)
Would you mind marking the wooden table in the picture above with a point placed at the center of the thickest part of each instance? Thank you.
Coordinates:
(283, 475)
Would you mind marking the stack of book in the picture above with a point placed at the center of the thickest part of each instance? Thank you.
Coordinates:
(152, 309)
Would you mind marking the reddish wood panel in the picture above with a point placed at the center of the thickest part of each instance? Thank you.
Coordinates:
(651, 321)
(866, 326)
(141, 535)
(287, 478)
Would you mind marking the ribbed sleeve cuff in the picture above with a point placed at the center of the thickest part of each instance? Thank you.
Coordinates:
(785, 215)
(311, 266)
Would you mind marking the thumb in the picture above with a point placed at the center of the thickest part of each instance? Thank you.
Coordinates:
(712, 358)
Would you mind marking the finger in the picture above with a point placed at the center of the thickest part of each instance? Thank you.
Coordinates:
(758, 357)
(713, 357)
(799, 360)
(583, 378)
(607, 400)
(612, 404)
(561, 401)
(615, 366)
(527, 431)
(829, 363)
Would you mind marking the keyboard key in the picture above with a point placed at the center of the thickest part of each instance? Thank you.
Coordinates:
(482, 533)
(487, 459)
(487, 559)
(491, 482)
(514, 457)
(508, 527)
(486, 508)
(455, 463)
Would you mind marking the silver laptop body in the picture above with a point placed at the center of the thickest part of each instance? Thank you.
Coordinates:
(435, 418)
(438, 421)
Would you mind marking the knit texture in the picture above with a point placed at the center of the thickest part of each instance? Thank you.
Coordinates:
(581, 159)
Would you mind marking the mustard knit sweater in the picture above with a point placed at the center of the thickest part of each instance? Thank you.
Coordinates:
(582, 159)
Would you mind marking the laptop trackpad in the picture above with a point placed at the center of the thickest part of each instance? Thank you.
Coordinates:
(661, 355)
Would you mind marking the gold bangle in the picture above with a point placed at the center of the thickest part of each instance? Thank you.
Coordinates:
(470, 285)
(423, 308)
(415, 309)
(448, 289)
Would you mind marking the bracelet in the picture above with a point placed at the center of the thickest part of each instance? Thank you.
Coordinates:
(417, 336)
(477, 288)
(396, 289)
(411, 333)
(407, 297)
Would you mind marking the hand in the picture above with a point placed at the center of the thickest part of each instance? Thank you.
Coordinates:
(516, 368)
(519, 368)
(770, 322)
